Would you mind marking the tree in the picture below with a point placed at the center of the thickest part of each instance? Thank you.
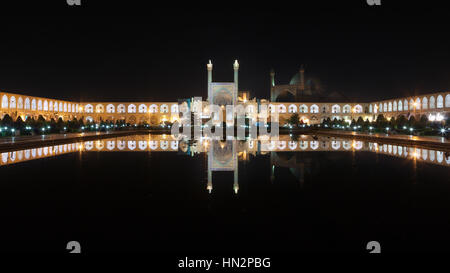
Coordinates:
(422, 122)
(19, 124)
(401, 122)
(293, 119)
(60, 125)
(381, 122)
(412, 122)
(7, 121)
(360, 122)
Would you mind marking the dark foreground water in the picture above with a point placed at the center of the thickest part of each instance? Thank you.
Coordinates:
(325, 195)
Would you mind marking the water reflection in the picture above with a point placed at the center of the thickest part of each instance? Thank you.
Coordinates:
(295, 153)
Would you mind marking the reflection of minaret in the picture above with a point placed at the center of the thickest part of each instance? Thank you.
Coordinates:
(209, 66)
(209, 187)
(222, 156)
(236, 174)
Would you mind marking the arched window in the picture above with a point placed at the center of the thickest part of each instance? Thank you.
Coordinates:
(281, 108)
(303, 109)
(39, 105)
(5, 101)
(380, 107)
(447, 100)
(336, 144)
(358, 109)
(12, 102)
(61, 107)
(121, 108)
(69, 107)
(65, 107)
(99, 108)
(55, 106)
(165, 108)
(142, 108)
(110, 108)
(174, 108)
(77, 108)
(370, 108)
(394, 106)
(293, 108)
(33, 105)
(27, 104)
(425, 103)
(335, 109)
(20, 103)
(45, 105)
(411, 104)
(131, 108)
(346, 109)
(405, 105)
(314, 109)
(249, 109)
(50, 106)
(89, 109)
(400, 106)
(440, 102)
(73, 108)
(153, 108)
(385, 109)
(432, 102)
(390, 106)
(417, 104)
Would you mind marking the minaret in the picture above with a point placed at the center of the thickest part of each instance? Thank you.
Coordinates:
(272, 77)
(236, 70)
(302, 78)
(209, 66)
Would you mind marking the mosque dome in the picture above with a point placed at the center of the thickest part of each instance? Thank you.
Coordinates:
(295, 80)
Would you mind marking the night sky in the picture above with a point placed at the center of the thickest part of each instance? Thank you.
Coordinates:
(130, 52)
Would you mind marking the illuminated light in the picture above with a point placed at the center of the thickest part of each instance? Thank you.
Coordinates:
(404, 127)
(442, 130)
(43, 129)
(411, 129)
(387, 128)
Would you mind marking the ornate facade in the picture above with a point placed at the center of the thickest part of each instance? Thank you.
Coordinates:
(308, 99)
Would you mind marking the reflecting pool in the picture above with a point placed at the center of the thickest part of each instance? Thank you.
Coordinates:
(155, 193)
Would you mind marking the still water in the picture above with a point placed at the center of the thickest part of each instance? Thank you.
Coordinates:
(154, 193)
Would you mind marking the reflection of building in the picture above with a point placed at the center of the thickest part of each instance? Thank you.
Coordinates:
(303, 95)
(302, 157)
(222, 156)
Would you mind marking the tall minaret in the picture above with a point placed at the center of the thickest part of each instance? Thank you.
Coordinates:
(236, 70)
(302, 78)
(209, 66)
(272, 77)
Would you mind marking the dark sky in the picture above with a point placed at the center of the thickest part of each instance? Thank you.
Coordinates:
(126, 51)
